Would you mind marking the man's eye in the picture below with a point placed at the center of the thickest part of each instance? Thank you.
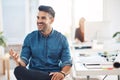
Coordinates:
(43, 17)
(37, 17)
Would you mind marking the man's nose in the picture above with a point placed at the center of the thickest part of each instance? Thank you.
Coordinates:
(39, 20)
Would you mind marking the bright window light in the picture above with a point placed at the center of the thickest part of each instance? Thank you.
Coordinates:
(92, 10)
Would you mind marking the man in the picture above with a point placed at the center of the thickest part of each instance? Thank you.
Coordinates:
(45, 51)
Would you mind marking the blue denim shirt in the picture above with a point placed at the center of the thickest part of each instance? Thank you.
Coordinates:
(48, 54)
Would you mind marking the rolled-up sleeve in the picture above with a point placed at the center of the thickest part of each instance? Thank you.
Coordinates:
(66, 57)
(26, 52)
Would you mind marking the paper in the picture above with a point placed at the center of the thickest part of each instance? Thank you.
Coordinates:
(98, 66)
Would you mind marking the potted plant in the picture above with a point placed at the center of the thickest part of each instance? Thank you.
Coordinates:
(117, 34)
(2, 40)
(2, 43)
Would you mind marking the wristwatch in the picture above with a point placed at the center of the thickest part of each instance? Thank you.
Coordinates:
(62, 72)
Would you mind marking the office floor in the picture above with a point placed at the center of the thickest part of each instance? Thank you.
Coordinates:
(12, 77)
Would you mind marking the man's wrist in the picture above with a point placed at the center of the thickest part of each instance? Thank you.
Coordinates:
(62, 72)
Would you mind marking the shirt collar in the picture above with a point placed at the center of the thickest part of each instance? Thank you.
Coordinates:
(52, 32)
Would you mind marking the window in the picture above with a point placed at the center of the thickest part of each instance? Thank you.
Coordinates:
(92, 10)
(14, 19)
(19, 19)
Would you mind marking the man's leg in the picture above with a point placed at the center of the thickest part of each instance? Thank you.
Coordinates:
(21, 73)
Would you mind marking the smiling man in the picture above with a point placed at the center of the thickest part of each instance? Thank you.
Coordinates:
(45, 51)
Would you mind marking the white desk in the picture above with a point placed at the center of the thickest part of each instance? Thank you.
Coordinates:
(80, 70)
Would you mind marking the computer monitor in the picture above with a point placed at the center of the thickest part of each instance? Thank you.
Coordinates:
(97, 31)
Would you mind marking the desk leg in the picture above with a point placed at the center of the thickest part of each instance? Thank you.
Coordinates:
(8, 69)
(118, 77)
(3, 67)
(88, 77)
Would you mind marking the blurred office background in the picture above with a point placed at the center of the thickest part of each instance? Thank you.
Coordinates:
(18, 18)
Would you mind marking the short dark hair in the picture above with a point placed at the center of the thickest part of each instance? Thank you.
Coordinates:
(47, 9)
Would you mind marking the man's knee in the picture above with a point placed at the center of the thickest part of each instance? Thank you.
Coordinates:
(18, 70)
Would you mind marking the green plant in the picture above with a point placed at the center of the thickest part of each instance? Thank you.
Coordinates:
(114, 35)
(2, 40)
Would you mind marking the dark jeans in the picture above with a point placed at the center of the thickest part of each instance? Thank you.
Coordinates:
(22, 73)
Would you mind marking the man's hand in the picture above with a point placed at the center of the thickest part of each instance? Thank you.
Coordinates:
(57, 76)
(15, 56)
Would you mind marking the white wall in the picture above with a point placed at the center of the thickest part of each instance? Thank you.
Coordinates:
(111, 22)
(111, 13)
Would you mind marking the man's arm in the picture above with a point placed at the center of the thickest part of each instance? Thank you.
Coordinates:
(66, 70)
(17, 58)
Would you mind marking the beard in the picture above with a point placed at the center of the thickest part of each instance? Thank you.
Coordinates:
(43, 30)
(42, 27)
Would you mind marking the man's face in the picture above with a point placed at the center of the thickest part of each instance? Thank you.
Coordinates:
(44, 21)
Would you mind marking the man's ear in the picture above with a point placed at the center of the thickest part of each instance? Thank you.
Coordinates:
(52, 20)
